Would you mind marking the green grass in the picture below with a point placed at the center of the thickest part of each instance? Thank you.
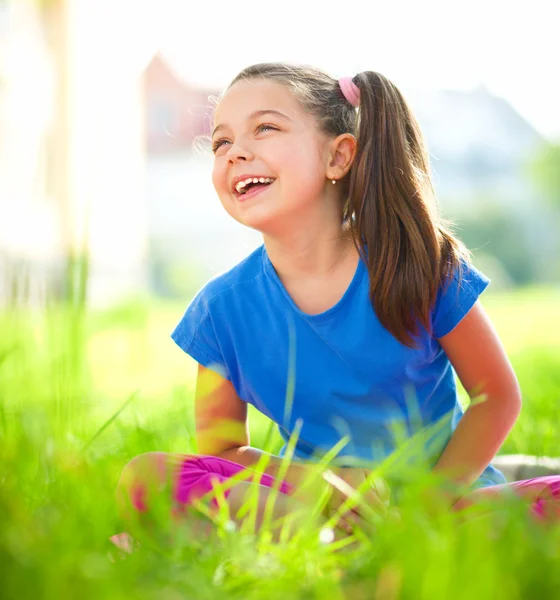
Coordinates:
(64, 376)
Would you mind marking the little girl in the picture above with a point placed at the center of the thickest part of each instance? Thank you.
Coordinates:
(349, 322)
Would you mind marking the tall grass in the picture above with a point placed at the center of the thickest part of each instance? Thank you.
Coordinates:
(83, 392)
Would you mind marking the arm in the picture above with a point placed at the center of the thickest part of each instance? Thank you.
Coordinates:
(222, 428)
(479, 359)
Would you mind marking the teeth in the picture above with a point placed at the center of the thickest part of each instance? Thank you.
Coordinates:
(241, 184)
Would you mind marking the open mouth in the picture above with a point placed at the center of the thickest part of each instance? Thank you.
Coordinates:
(251, 186)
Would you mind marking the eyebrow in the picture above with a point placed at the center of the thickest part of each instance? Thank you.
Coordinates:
(257, 113)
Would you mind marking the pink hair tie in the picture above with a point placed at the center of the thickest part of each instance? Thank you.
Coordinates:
(350, 90)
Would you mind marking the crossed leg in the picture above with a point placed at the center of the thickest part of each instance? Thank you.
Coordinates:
(176, 481)
(180, 479)
(541, 493)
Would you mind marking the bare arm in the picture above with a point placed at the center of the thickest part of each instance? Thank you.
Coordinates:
(222, 430)
(222, 427)
(480, 361)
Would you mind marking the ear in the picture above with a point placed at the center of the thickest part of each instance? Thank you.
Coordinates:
(342, 152)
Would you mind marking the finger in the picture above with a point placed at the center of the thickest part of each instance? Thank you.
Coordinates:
(363, 502)
(372, 499)
(347, 499)
(347, 522)
(343, 492)
(345, 525)
(381, 488)
(343, 519)
(359, 522)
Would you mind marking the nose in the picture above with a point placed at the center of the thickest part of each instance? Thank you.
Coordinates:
(239, 152)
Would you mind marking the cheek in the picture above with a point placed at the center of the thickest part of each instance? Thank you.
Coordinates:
(302, 155)
(220, 183)
(218, 177)
(306, 170)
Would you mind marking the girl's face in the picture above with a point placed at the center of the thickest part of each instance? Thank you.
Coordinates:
(261, 131)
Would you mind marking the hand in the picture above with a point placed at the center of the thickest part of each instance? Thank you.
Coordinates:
(367, 499)
(437, 500)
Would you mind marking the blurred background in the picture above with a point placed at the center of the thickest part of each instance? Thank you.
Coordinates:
(107, 210)
(101, 103)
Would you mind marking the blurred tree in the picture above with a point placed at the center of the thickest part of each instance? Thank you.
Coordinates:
(544, 170)
(491, 230)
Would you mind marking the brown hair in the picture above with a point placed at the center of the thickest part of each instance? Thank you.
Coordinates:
(390, 203)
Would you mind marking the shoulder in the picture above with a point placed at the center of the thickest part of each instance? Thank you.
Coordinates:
(456, 295)
(466, 276)
(232, 281)
(206, 324)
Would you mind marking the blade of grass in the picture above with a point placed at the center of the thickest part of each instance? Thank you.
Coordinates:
(108, 422)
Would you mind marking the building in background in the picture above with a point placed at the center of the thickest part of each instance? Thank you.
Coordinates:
(176, 113)
(479, 145)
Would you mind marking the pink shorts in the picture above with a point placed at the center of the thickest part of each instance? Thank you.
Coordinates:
(196, 475)
(541, 493)
(198, 472)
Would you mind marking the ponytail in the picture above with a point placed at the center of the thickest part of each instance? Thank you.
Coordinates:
(392, 212)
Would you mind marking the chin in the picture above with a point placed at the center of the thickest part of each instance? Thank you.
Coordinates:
(264, 226)
(252, 219)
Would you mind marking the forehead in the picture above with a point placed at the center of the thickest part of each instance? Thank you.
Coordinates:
(245, 97)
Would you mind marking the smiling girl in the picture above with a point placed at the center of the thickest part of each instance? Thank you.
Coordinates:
(359, 295)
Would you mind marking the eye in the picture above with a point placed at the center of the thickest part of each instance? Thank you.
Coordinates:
(217, 144)
(265, 126)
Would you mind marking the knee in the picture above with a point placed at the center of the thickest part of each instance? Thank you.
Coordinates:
(141, 478)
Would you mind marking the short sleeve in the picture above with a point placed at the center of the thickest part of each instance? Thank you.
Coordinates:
(195, 334)
(456, 297)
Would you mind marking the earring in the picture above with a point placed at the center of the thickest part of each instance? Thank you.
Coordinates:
(333, 181)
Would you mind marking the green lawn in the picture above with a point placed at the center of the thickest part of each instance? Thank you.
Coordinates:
(63, 376)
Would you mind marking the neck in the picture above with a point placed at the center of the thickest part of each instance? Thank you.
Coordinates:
(309, 253)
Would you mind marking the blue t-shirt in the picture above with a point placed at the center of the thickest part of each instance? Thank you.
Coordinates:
(339, 373)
